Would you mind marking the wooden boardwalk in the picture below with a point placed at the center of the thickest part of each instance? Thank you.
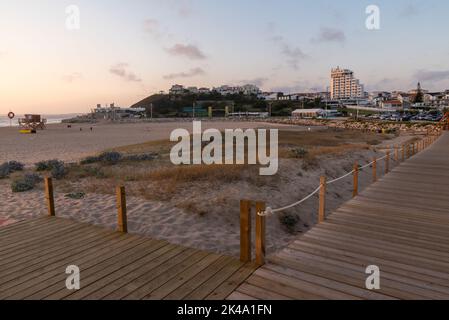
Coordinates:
(400, 224)
(34, 256)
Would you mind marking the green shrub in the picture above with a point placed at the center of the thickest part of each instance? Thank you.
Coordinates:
(32, 178)
(59, 171)
(140, 157)
(47, 165)
(15, 166)
(299, 153)
(289, 221)
(9, 167)
(21, 185)
(111, 157)
(90, 160)
(4, 171)
(76, 195)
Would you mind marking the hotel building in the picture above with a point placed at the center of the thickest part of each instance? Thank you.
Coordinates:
(344, 85)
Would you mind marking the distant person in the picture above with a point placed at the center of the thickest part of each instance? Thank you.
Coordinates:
(69, 126)
(81, 129)
(91, 129)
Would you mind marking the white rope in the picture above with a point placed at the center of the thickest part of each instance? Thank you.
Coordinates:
(341, 178)
(270, 211)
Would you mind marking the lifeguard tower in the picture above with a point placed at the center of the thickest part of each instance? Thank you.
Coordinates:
(32, 122)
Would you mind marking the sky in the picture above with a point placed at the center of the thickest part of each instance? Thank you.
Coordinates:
(125, 50)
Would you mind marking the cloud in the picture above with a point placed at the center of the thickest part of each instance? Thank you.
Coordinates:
(152, 27)
(256, 81)
(120, 70)
(185, 9)
(191, 73)
(189, 51)
(299, 87)
(330, 35)
(432, 76)
(409, 10)
(386, 84)
(293, 55)
(72, 77)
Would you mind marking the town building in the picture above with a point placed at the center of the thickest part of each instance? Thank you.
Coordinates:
(392, 104)
(344, 85)
(307, 113)
(177, 89)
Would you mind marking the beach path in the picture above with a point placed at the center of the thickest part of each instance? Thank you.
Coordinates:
(398, 226)
(35, 254)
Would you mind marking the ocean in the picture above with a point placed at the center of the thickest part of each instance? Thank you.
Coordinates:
(53, 118)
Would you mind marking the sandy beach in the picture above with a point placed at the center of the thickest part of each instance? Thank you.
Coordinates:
(62, 143)
(216, 230)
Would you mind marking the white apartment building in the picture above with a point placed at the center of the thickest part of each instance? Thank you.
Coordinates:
(344, 85)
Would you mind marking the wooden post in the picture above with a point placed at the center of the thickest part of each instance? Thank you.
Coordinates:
(387, 163)
(403, 153)
(356, 180)
(122, 222)
(50, 197)
(245, 231)
(396, 154)
(322, 204)
(260, 234)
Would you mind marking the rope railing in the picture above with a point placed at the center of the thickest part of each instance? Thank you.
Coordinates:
(270, 211)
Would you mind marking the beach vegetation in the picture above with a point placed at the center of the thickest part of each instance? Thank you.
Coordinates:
(75, 195)
(26, 182)
(289, 221)
(47, 165)
(9, 167)
(20, 185)
(114, 157)
(33, 178)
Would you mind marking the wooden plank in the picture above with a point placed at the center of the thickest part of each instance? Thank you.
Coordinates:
(207, 288)
(165, 276)
(174, 283)
(261, 293)
(104, 268)
(199, 279)
(154, 250)
(238, 296)
(31, 275)
(150, 262)
(56, 284)
(227, 286)
(137, 283)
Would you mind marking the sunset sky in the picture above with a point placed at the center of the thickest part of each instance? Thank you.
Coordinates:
(127, 50)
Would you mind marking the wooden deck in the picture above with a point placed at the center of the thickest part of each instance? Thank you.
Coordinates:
(400, 224)
(34, 255)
